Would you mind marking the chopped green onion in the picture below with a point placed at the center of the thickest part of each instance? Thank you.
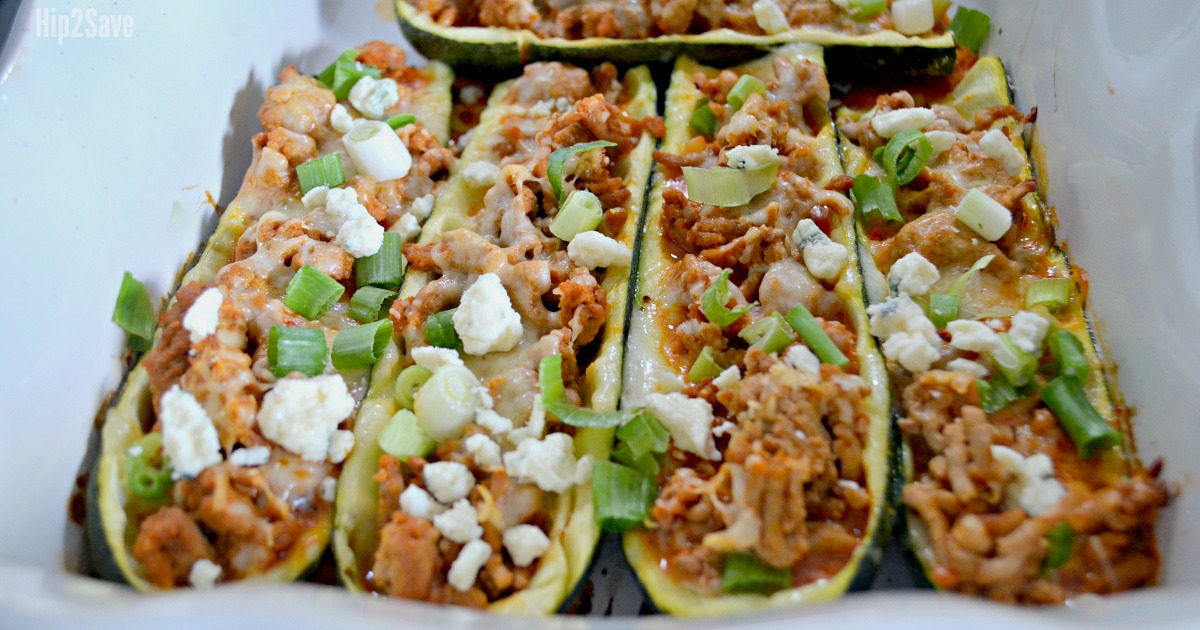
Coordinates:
(996, 394)
(1014, 363)
(984, 215)
(1091, 434)
(713, 302)
(943, 309)
(863, 10)
(446, 403)
(361, 346)
(1069, 359)
(404, 438)
(970, 28)
(745, 573)
(581, 212)
(905, 155)
(311, 292)
(742, 89)
(703, 119)
(149, 471)
(370, 304)
(1053, 293)
(959, 286)
(874, 195)
(1060, 541)
(296, 350)
(815, 337)
(342, 74)
(439, 330)
(384, 268)
(705, 366)
(645, 462)
(769, 334)
(645, 434)
(134, 313)
(400, 120)
(621, 496)
(323, 171)
(409, 383)
(558, 159)
(554, 400)
(728, 187)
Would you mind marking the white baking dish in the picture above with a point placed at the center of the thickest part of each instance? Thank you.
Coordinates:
(112, 146)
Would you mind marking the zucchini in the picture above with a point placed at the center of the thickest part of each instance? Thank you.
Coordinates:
(112, 511)
(651, 368)
(1029, 252)
(573, 532)
(478, 50)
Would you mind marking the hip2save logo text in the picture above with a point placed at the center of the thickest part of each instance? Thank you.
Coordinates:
(81, 24)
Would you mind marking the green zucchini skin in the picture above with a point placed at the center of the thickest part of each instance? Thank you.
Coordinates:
(475, 52)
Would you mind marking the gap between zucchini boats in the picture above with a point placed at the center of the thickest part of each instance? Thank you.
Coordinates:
(775, 486)
(213, 466)
(470, 484)
(1022, 483)
(502, 35)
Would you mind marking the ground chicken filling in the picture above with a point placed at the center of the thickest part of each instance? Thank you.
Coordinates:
(253, 499)
(782, 475)
(642, 19)
(562, 309)
(1001, 502)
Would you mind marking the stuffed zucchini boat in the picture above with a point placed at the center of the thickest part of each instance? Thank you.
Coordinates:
(470, 483)
(219, 460)
(1022, 481)
(907, 39)
(764, 427)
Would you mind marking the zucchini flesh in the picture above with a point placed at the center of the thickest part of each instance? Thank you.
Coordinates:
(1027, 253)
(651, 368)
(113, 513)
(480, 49)
(571, 527)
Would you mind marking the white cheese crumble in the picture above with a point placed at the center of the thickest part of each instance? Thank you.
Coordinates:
(800, 358)
(770, 17)
(415, 501)
(493, 422)
(466, 566)
(340, 445)
(204, 574)
(534, 426)
(329, 489)
(688, 419)
(188, 436)
(460, 523)
(549, 462)
(301, 414)
(909, 338)
(484, 449)
(997, 146)
(966, 365)
(250, 457)
(432, 357)
(373, 97)
(525, 543)
(357, 231)
(891, 123)
(968, 334)
(941, 141)
(723, 429)
(202, 316)
(1027, 331)
(480, 174)
(470, 94)
(913, 274)
(341, 120)
(1035, 489)
(485, 319)
(421, 207)
(728, 377)
(751, 156)
(824, 258)
(407, 227)
(448, 481)
(593, 250)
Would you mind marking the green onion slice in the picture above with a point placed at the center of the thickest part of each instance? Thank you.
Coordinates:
(943, 309)
(410, 380)
(1053, 293)
(863, 10)
(558, 159)
(439, 330)
(959, 286)
(713, 302)
(621, 496)
(742, 89)
(370, 303)
(296, 350)
(815, 337)
(905, 155)
(970, 28)
(745, 573)
(1061, 542)
(323, 171)
(341, 75)
(705, 366)
(644, 462)
(554, 400)
(384, 268)
(996, 394)
(400, 120)
(1014, 363)
(134, 313)
(404, 438)
(874, 195)
(728, 187)
(311, 292)
(1069, 359)
(645, 434)
(1091, 434)
(361, 346)
(149, 471)
(703, 119)
(582, 212)
(770, 334)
